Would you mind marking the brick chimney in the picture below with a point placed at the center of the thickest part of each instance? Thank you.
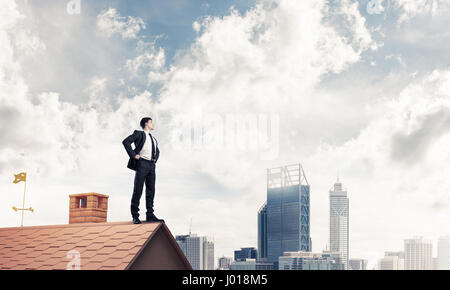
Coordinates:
(88, 208)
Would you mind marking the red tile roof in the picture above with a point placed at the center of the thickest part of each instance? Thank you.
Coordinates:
(108, 246)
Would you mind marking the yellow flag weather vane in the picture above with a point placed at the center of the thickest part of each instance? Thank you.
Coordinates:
(19, 178)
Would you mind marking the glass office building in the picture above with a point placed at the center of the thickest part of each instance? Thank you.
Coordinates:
(245, 253)
(262, 232)
(287, 212)
(339, 221)
(251, 264)
(198, 250)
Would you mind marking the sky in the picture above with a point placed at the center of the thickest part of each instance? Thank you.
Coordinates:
(358, 89)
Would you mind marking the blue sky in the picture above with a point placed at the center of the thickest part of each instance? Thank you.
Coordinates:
(169, 21)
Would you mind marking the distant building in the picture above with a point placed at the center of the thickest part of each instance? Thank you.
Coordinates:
(399, 254)
(251, 264)
(192, 247)
(208, 255)
(262, 232)
(418, 254)
(284, 221)
(357, 264)
(339, 221)
(311, 261)
(443, 253)
(198, 250)
(392, 261)
(224, 263)
(435, 263)
(245, 253)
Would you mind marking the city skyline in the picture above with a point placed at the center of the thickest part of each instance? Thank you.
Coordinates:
(339, 235)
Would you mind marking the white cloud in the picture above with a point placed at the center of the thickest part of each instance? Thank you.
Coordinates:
(272, 58)
(151, 58)
(412, 8)
(362, 38)
(397, 57)
(28, 44)
(249, 58)
(196, 26)
(110, 22)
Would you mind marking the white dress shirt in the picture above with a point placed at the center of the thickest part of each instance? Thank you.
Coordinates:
(146, 151)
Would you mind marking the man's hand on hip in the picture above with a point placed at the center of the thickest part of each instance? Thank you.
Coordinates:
(137, 157)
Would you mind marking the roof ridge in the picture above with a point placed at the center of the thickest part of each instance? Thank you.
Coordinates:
(69, 225)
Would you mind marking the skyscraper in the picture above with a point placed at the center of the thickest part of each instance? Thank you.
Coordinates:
(357, 264)
(443, 254)
(392, 261)
(339, 222)
(418, 254)
(208, 256)
(198, 250)
(245, 253)
(192, 247)
(287, 213)
(262, 232)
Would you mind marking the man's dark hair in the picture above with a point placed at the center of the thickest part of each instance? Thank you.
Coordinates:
(144, 121)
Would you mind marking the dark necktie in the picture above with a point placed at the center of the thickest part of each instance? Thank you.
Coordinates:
(153, 147)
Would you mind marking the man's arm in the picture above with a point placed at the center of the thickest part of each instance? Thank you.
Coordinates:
(157, 151)
(157, 154)
(127, 144)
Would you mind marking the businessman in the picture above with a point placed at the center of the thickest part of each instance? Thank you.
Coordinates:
(143, 160)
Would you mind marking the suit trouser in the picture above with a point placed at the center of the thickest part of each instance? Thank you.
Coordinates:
(145, 173)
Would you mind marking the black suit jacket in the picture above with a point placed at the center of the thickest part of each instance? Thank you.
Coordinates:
(138, 138)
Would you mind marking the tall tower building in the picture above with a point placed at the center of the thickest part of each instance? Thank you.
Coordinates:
(262, 233)
(208, 255)
(198, 250)
(287, 213)
(418, 254)
(443, 253)
(339, 222)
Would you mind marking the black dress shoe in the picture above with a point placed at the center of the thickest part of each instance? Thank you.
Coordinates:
(153, 218)
(136, 221)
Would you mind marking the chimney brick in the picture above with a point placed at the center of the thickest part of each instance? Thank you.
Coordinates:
(88, 208)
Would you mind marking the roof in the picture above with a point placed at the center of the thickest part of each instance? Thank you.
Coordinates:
(106, 246)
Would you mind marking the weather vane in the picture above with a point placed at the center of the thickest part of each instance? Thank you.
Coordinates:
(19, 178)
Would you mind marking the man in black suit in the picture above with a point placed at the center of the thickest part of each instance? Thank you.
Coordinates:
(143, 160)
